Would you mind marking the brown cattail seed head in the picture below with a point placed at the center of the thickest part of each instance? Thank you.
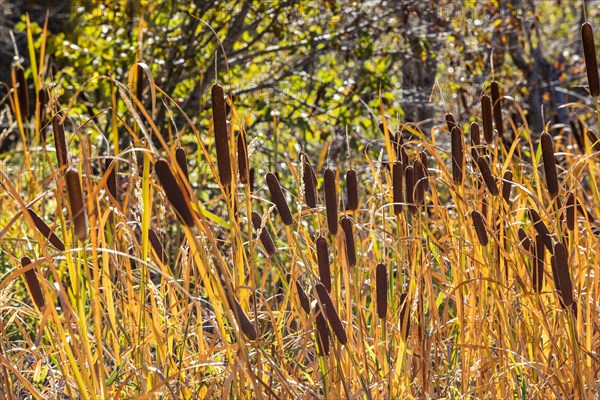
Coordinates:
(475, 134)
(111, 180)
(304, 303)
(174, 193)
(265, 237)
(331, 202)
(181, 159)
(45, 230)
(352, 190)
(221, 134)
(561, 274)
(507, 185)
(480, 228)
(549, 164)
(278, 199)
(525, 241)
(405, 306)
(242, 157)
(322, 331)
(78, 210)
(332, 316)
(450, 121)
(591, 64)
(570, 210)
(33, 283)
(487, 118)
(381, 282)
(541, 228)
(409, 174)
(60, 142)
(244, 322)
(420, 181)
(488, 178)
(397, 187)
(458, 156)
(323, 262)
(538, 264)
(309, 180)
(349, 238)
(22, 92)
(497, 107)
(157, 245)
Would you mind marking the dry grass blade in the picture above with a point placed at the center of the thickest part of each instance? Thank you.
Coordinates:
(562, 276)
(309, 182)
(349, 239)
(570, 211)
(541, 228)
(265, 236)
(538, 264)
(397, 187)
(303, 298)
(507, 185)
(242, 318)
(78, 211)
(352, 189)
(322, 331)
(497, 108)
(221, 134)
(242, 157)
(480, 228)
(549, 164)
(591, 64)
(458, 156)
(331, 202)
(488, 178)
(60, 141)
(487, 119)
(174, 192)
(278, 199)
(45, 230)
(156, 244)
(323, 262)
(332, 316)
(33, 284)
(381, 287)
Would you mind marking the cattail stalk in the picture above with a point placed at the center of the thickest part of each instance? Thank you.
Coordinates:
(78, 210)
(221, 134)
(174, 193)
(381, 287)
(33, 284)
(331, 202)
(278, 199)
(591, 64)
(549, 164)
(352, 190)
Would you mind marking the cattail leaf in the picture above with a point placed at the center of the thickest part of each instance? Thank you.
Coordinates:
(591, 64)
(381, 288)
(174, 193)
(331, 201)
(278, 199)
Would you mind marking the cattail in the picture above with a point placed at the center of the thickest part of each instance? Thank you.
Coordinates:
(475, 134)
(561, 275)
(265, 237)
(242, 319)
(157, 246)
(497, 108)
(181, 159)
(33, 283)
(409, 175)
(480, 228)
(405, 305)
(450, 122)
(309, 180)
(488, 178)
(174, 193)
(541, 228)
(525, 241)
(458, 156)
(538, 265)
(331, 200)
(397, 187)
(323, 262)
(332, 316)
(425, 165)
(303, 298)
(381, 281)
(593, 139)
(570, 211)
(487, 118)
(322, 330)
(45, 230)
(420, 179)
(221, 134)
(349, 238)
(111, 180)
(22, 93)
(577, 134)
(549, 164)
(352, 190)
(242, 156)
(507, 185)
(278, 198)
(139, 83)
(251, 180)
(398, 145)
(78, 211)
(589, 51)
(60, 142)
